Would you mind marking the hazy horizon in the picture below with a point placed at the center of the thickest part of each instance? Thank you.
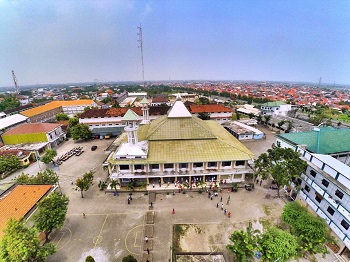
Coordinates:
(59, 42)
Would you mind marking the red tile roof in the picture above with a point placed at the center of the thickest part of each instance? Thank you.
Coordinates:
(20, 201)
(211, 108)
(32, 128)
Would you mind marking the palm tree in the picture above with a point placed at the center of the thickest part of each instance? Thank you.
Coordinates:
(290, 125)
(267, 119)
(280, 124)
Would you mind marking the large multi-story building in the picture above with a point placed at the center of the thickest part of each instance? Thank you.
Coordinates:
(325, 185)
(178, 147)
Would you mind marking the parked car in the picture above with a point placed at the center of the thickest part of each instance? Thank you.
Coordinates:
(93, 148)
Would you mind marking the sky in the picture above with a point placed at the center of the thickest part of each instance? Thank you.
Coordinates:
(59, 41)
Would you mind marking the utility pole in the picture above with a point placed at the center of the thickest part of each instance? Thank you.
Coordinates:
(141, 47)
(15, 81)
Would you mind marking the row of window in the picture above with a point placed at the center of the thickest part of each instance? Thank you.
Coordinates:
(325, 183)
(184, 165)
(344, 223)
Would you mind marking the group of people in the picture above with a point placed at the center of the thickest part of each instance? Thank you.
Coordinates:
(218, 203)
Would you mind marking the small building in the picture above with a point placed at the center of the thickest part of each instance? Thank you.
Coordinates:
(242, 131)
(160, 101)
(25, 157)
(217, 112)
(247, 109)
(43, 113)
(276, 108)
(35, 133)
(20, 202)
(10, 121)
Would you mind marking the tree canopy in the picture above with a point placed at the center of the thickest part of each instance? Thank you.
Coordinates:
(62, 116)
(21, 243)
(278, 245)
(282, 164)
(244, 243)
(310, 231)
(73, 121)
(8, 163)
(9, 102)
(49, 155)
(129, 258)
(204, 116)
(85, 182)
(46, 177)
(51, 213)
(80, 131)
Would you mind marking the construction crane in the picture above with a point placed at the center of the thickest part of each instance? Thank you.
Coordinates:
(141, 47)
(15, 81)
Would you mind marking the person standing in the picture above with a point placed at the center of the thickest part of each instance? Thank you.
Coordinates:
(222, 206)
(260, 182)
(173, 211)
(147, 251)
(84, 215)
(146, 239)
(221, 199)
(217, 204)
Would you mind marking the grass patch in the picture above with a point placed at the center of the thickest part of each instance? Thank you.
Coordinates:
(267, 210)
(178, 231)
(265, 222)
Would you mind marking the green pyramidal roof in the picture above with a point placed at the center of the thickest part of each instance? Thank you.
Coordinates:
(130, 116)
(144, 101)
(165, 128)
(325, 141)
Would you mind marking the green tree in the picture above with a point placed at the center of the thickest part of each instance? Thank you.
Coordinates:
(259, 118)
(89, 259)
(62, 116)
(51, 213)
(9, 102)
(202, 101)
(46, 177)
(21, 243)
(278, 245)
(9, 163)
(290, 125)
(310, 231)
(244, 243)
(267, 119)
(282, 164)
(49, 155)
(80, 131)
(73, 121)
(204, 116)
(84, 183)
(280, 124)
(114, 184)
(129, 258)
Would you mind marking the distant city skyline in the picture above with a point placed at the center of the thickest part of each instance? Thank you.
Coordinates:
(49, 42)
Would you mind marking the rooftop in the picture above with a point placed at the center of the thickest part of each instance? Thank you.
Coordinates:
(20, 201)
(326, 141)
(32, 128)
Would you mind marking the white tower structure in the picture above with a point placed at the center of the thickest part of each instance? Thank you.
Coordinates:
(131, 127)
(145, 111)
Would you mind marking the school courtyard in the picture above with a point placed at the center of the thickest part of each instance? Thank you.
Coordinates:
(113, 229)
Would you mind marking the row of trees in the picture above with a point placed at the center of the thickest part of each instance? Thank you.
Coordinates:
(305, 233)
(21, 243)
(8, 163)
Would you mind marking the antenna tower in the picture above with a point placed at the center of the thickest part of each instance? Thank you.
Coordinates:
(319, 82)
(141, 47)
(15, 81)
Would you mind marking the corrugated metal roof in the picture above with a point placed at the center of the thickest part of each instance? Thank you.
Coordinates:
(12, 120)
(19, 202)
(326, 141)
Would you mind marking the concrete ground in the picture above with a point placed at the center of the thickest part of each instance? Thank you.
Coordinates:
(113, 229)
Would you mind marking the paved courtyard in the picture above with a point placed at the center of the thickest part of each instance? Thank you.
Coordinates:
(113, 228)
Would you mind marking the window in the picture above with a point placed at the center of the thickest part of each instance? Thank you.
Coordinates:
(212, 164)
(240, 163)
(168, 165)
(124, 167)
(339, 194)
(345, 224)
(330, 210)
(226, 163)
(138, 167)
(307, 188)
(197, 165)
(325, 182)
(313, 173)
(318, 198)
(154, 166)
(183, 165)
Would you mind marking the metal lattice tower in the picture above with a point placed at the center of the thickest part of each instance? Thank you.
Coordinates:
(15, 81)
(141, 47)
